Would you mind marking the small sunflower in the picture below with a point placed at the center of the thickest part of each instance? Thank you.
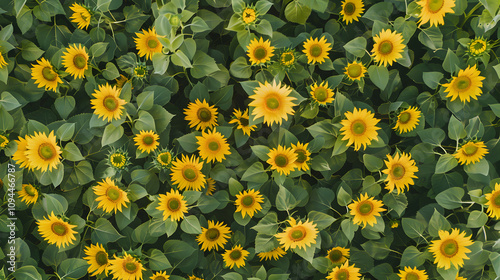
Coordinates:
(2, 61)
(160, 276)
(407, 120)
(4, 141)
(400, 172)
(140, 71)
(186, 173)
(466, 85)
(282, 160)
(28, 194)
(44, 75)
(478, 47)
(359, 128)
(471, 152)
(20, 154)
(147, 141)
(322, 94)
(210, 188)
(97, 258)
(75, 60)
(460, 278)
(126, 267)
(355, 71)
(212, 146)
(56, 231)
(412, 273)
(147, 43)
(287, 58)
(248, 202)
(316, 50)
(110, 197)
(365, 210)
(433, 11)
(450, 249)
(242, 120)
(163, 159)
(273, 102)
(388, 47)
(344, 272)
(274, 254)
(42, 151)
(394, 224)
(299, 235)
(107, 104)
(235, 256)
(121, 81)
(259, 51)
(351, 10)
(173, 205)
(192, 277)
(118, 159)
(249, 15)
(303, 156)
(493, 202)
(81, 16)
(214, 236)
(201, 115)
(338, 255)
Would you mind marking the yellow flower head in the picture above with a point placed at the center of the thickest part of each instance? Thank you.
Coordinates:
(287, 58)
(322, 94)
(407, 120)
(212, 146)
(351, 10)
(235, 256)
(110, 197)
(147, 43)
(275, 254)
(56, 231)
(214, 236)
(42, 151)
(160, 275)
(28, 194)
(433, 11)
(186, 173)
(365, 210)
(81, 16)
(106, 103)
(147, 141)
(355, 71)
(4, 141)
(248, 202)
(316, 50)
(173, 205)
(400, 172)
(20, 154)
(44, 75)
(2, 61)
(466, 85)
(338, 255)
(344, 272)
(201, 115)
(299, 235)
(249, 15)
(471, 152)
(75, 60)
(412, 273)
(359, 128)
(210, 188)
(388, 47)
(303, 156)
(118, 159)
(97, 257)
(450, 249)
(273, 102)
(478, 47)
(163, 159)
(242, 120)
(282, 160)
(192, 277)
(126, 268)
(259, 51)
(493, 202)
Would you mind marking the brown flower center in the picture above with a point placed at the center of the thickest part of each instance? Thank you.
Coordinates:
(412, 276)
(29, 189)
(301, 156)
(398, 171)
(148, 140)
(243, 121)
(113, 194)
(101, 258)
(462, 83)
(449, 248)
(272, 103)
(212, 234)
(349, 8)
(49, 74)
(385, 47)
(46, 151)
(173, 204)
(260, 53)
(159, 278)
(297, 234)
(204, 115)
(110, 103)
(435, 5)
(315, 50)
(343, 274)
(152, 42)
(470, 150)
(281, 160)
(190, 174)
(247, 200)
(235, 255)
(213, 146)
(365, 208)
(354, 71)
(130, 267)
(335, 256)
(59, 228)
(404, 117)
(321, 94)
(358, 127)
(79, 61)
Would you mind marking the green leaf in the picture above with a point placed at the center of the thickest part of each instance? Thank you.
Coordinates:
(72, 153)
(8, 102)
(456, 129)
(412, 257)
(66, 131)
(203, 65)
(349, 229)
(451, 63)
(343, 197)
(477, 219)
(297, 13)
(83, 173)
(6, 120)
(198, 25)
(372, 163)
(264, 28)
(356, 46)
(445, 163)
(437, 223)
(240, 68)
(180, 59)
(54, 203)
(207, 204)
(321, 220)
(380, 11)
(261, 151)
(321, 264)
(111, 134)
(431, 79)
(397, 203)
(158, 260)
(235, 187)
(450, 198)
(191, 225)
(433, 136)
(307, 253)
(27, 272)
(98, 49)
(188, 142)
(232, 276)
(160, 63)
(30, 51)
(268, 224)
(482, 167)
(104, 232)
(317, 5)
(72, 268)
(413, 228)
(145, 100)
(65, 105)
(379, 75)
(111, 72)
(255, 173)
(431, 37)
(285, 200)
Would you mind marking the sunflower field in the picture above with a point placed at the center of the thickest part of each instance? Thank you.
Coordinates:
(249, 139)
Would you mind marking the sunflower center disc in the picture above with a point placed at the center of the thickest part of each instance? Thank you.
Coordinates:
(349, 8)
(260, 53)
(365, 208)
(435, 5)
(130, 267)
(272, 103)
(165, 158)
(101, 258)
(212, 234)
(140, 72)
(316, 50)
(398, 172)
(59, 229)
(148, 140)
(213, 146)
(247, 200)
(281, 160)
(449, 248)
(48, 74)
(404, 117)
(496, 201)
(412, 276)
(462, 83)
(189, 174)
(30, 190)
(152, 43)
(174, 20)
(354, 71)
(110, 103)
(159, 278)
(287, 58)
(235, 255)
(358, 127)
(301, 156)
(470, 150)
(173, 204)
(46, 151)
(335, 255)
(320, 94)
(385, 47)
(80, 61)
(297, 234)
(244, 121)
(204, 114)
(118, 159)
(113, 194)
(478, 46)
(343, 275)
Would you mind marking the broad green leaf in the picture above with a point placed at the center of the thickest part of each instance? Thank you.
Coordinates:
(158, 260)
(66, 131)
(432, 79)
(72, 268)
(285, 200)
(445, 163)
(321, 220)
(180, 59)
(111, 72)
(203, 65)
(450, 198)
(451, 63)
(65, 105)
(437, 223)
(379, 75)
(297, 12)
(111, 134)
(431, 37)
(104, 232)
(356, 46)
(191, 225)
(456, 129)
(30, 51)
(477, 219)
(413, 228)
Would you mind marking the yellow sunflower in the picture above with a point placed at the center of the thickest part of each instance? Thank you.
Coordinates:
(365, 210)
(81, 16)
(355, 71)
(338, 255)
(147, 43)
(97, 258)
(351, 10)
(212, 146)
(249, 15)
(186, 173)
(287, 58)
(110, 197)
(275, 254)
(56, 231)
(388, 47)
(2, 61)
(20, 154)
(322, 94)
(140, 71)
(118, 159)
(242, 120)
(214, 236)
(107, 104)
(192, 277)
(400, 172)
(450, 249)
(173, 205)
(433, 11)
(303, 156)
(466, 85)
(42, 151)
(493, 202)
(359, 128)
(210, 188)
(299, 235)
(126, 268)
(28, 194)
(471, 152)
(121, 81)
(201, 115)
(412, 273)
(272, 101)
(460, 278)
(259, 51)
(160, 276)
(282, 160)
(344, 272)
(4, 141)
(163, 159)
(478, 46)
(44, 75)
(75, 60)
(407, 120)
(248, 202)
(316, 50)
(147, 141)
(235, 256)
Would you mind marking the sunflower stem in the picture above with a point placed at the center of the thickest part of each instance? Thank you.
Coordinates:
(470, 13)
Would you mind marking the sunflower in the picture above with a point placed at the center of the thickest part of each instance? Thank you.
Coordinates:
(110, 197)
(287, 58)
(214, 236)
(210, 188)
(471, 152)
(249, 15)
(42, 151)
(351, 10)
(433, 11)
(75, 60)
(140, 71)
(394, 224)
(316, 50)
(275, 254)
(259, 51)
(400, 172)
(97, 258)
(450, 249)
(163, 159)
(299, 235)
(160, 276)
(322, 94)
(460, 278)
(28, 194)
(355, 71)
(81, 16)
(272, 101)
(106, 103)
(282, 160)
(388, 47)
(359, 128)
(242, 120)
(407, 120)
(146, 141)
(338, 255)
(493, 202)
(2, 61)
(118, 159)
(212, 146)
(44, 75)
(186, 173)
(248, 202)
(201, 115)
(121, 81)
(303, 156)
(173, 205)
(20, 154)
(126, 268)
(365, 210)
(344, 272)
(235, 256)
(4, 141)
(147, 43)
(478, 47)
(412, 274)
(192, 277)
(466, 85)
(56, 231)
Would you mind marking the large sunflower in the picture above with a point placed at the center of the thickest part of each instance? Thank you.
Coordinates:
(344, 272)
(316, 50)
(56, 231)
(106, 103)
(433, 11)
(272, 101)
(407, 120)
(322, 94)
(351, 10)
(412, 274)
(282, 159)
(214, 236)
(126, 268)
(97, 258)
(160, 275)
(44, 75)
(471, 152)
(28, 194)
(275, 254)
(259, 51)
(493, 202)
(75, 60)
(212, 146)
(299, 235)
(147, 43)
(400, 172)
(248, 202)
(20, 154)
(388, 47)
(42, 151)
(359, 128)
(146, 141)
(365, 210)
(466, 85)
(201, 115)
(173, 205)
(338, 255)
(186, 173)
(355, 70)
(235, 256)
(81, 16)
(450, 249)
(303, 156)
(242, 120)
(110, 197)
